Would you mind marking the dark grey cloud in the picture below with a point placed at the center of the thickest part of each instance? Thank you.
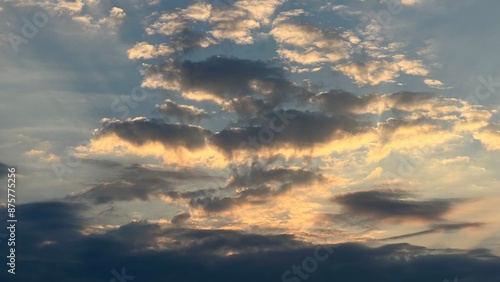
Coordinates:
(391, 125)
(121, 190)
(140, 131)
(392, 204)
(219, 242)
(52, 221)
(247, 86)
(180, 218)
(102, 164)
(294, 128)
(300, 129)
(136, 182)
(340, 101)
(252, 196)
(439, 228)
(257, 174)
(346, 220)
(225, 77)
(182, 113)
(410, 98)
(337, 101)
(51, 247)
(252, 185)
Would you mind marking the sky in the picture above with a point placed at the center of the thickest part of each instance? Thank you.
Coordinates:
(251, 140)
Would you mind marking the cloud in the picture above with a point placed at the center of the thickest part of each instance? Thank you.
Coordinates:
(258, 175)
(378, 71)
(198, 12)
(180, 218)
(411, 67)
(341, 102)
(292, 130)
(54, 221)
(188, 40)
(184, 42)
(236, 22)
(372, 72)
(434, 83)
(139, 131)
(314, 45)
(143, 249)
(393, 205)
(144, 50)
(439, 228)
(255, 185)
(240, 85)
(182, 113)
(116, 18)
(411, 121)
(177, 21)
(166, 24)
(135, 182)
(233, 21)
(490, 136)
(120, 190)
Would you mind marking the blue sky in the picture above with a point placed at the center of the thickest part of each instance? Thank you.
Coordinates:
(248, 132)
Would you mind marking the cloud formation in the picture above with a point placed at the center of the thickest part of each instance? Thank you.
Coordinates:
(242, 86)
(394, 205)
(182, 113)
(218, 254)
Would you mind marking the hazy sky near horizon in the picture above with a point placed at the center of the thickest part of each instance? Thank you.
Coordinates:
(248, 131)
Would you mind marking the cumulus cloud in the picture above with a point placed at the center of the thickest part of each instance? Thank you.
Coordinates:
(412, 120)
(141, 130)
(294, 133)
(242, 86)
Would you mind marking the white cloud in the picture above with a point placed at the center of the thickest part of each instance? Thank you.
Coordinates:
(144, 50)
(372, 73)
(306, 44)
(115, 19)
(434, 83)
(411, 67)
(167, 24)
(198, 12)
(238, 22)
